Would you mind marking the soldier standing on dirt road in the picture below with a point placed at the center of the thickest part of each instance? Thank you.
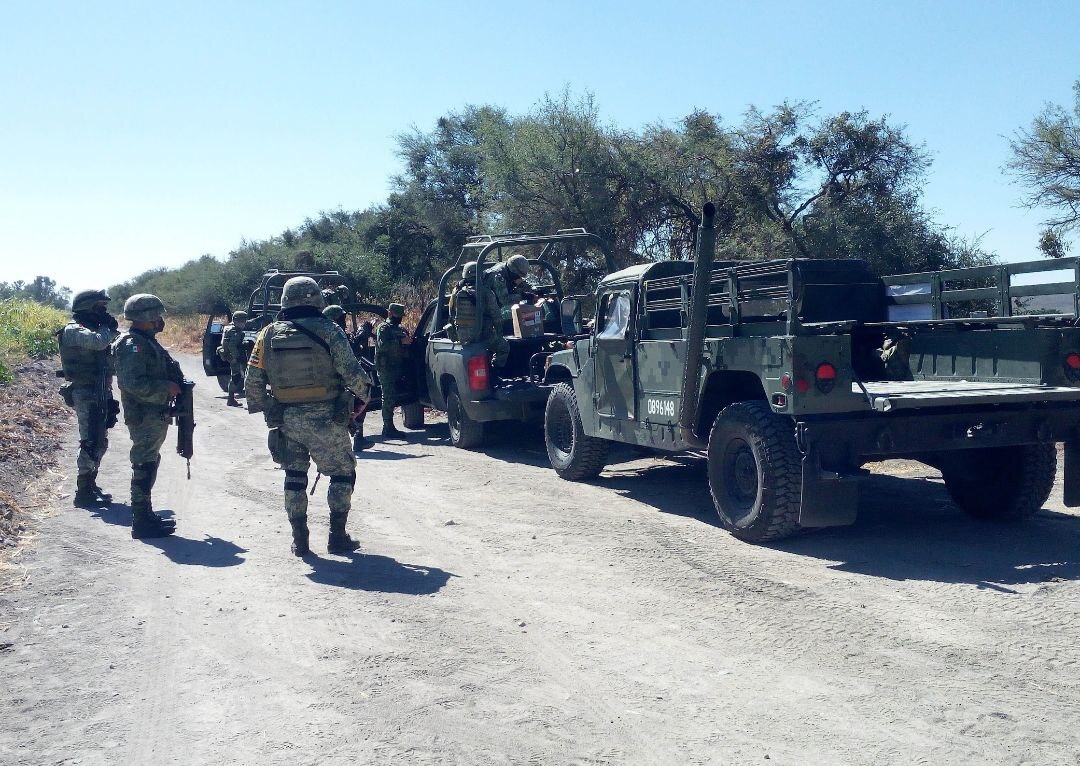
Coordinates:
(297, 377)
(232, 351)
(148, 378)
(390, 341)
(84, 357)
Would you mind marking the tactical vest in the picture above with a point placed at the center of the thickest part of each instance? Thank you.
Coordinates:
(81, 366)
(463, 314)
(300, 370)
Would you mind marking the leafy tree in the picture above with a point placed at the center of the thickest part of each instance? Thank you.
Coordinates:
(1046, 159)
(43, 290)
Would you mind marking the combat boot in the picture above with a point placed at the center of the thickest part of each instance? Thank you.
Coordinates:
(85, 497)
(389, 429)
(231, 401)
(145, 523)
(339, 541)
(102, 495)
(300, 536)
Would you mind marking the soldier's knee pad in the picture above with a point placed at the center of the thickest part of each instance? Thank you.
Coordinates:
(349, 479)
(295, 481)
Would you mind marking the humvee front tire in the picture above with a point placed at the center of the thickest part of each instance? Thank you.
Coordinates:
(223, 381)
(755, 472)
(414, 415)
(573, 455)
(465, 432)
(1001, 483)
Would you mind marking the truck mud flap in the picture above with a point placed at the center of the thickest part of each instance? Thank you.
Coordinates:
(829, 499)
(1072, 474)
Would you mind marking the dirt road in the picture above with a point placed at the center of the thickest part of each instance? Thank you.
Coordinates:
(497, 614)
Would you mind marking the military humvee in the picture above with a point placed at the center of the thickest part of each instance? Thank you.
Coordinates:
(458, 379)
(792, 374)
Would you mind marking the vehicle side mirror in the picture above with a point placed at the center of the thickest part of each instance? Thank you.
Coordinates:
(570, 314)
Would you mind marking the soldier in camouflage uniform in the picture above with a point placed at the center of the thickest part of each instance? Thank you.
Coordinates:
(84, 356)
(507, 282)
(390, 341)
(232, 351)
(335, 314)
(297, 377)
(468, 327)
(149, 379)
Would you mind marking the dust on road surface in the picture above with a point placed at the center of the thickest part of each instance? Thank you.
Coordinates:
(496, 614)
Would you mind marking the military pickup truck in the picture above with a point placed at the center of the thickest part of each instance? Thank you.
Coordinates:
(458, 379)
(791, 374)
(264, 304)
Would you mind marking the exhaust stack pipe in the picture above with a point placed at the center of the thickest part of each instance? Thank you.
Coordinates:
(695, 332)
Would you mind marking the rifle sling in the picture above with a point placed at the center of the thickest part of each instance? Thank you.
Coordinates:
(313, 336)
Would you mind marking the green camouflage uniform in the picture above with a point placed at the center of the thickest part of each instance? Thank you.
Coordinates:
(144, 370)
(232, 351)
(312, 430)
(84, 355)
(470, 329)
(495, 279)
(389, 364)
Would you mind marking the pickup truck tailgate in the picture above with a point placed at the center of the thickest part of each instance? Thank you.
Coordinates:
(888, 396)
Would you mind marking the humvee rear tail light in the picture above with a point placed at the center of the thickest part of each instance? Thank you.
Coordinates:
(826, 377)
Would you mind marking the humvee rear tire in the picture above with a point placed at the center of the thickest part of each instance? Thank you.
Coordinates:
(414, 415)
(573, 455)
(465, 432)
(1001, 483)
(223, 381)
(755, 472)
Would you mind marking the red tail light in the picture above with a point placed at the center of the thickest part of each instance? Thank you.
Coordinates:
(826, 377)
(478, 373)
(1072, 361)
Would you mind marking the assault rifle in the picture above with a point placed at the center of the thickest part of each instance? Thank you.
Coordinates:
(182, 414)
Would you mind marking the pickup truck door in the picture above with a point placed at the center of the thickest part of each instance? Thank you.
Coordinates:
(613, 349)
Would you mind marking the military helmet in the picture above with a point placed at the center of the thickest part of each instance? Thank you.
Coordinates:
(239, 316)
(333, 313)
(396, 310)
(468, 271)
(301, 291)
(85, 300)
(518, 264)
(143, 307)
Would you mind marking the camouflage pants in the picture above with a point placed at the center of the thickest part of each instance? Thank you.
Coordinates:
(318, 432)
(236, 378)
(88, 410)
(388, 383)
(148, 429)
(499, 347)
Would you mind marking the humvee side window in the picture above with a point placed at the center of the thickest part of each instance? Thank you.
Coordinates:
(616, 315)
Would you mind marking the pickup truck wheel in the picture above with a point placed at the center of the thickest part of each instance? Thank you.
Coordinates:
(573, 455)
(755, 473)
(223, 381)
(414, 415)
(1001, 483)
(465, 432)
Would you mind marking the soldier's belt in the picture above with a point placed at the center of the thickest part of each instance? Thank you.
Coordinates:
(304, 394)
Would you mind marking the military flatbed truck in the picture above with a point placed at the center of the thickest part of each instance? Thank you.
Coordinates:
(458, 378)
(791, 374)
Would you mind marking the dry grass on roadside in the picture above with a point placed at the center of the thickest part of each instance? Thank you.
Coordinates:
(183, 333)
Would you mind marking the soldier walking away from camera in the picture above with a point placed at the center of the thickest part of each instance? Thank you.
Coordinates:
(507, 282)
(390, 342)
(87, 368)
(149, 379)
(232, 351)
(302, 376)
(470, 328)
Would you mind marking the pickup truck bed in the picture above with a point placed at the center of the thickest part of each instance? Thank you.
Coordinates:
(887, 396)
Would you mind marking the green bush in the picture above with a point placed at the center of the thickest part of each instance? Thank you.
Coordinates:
(27, 329)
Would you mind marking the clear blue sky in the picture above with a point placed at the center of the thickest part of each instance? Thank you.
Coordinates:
(135, 135)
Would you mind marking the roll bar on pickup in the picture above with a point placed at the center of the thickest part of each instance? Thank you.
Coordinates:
(477, 248)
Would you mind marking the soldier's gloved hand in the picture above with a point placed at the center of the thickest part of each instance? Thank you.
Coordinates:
(108, 320)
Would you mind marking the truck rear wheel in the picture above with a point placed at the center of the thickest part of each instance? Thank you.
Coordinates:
(465, 432)
(414, 415)
(573, 455)
(755, 472)
(223, 381)
(1001, 483)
